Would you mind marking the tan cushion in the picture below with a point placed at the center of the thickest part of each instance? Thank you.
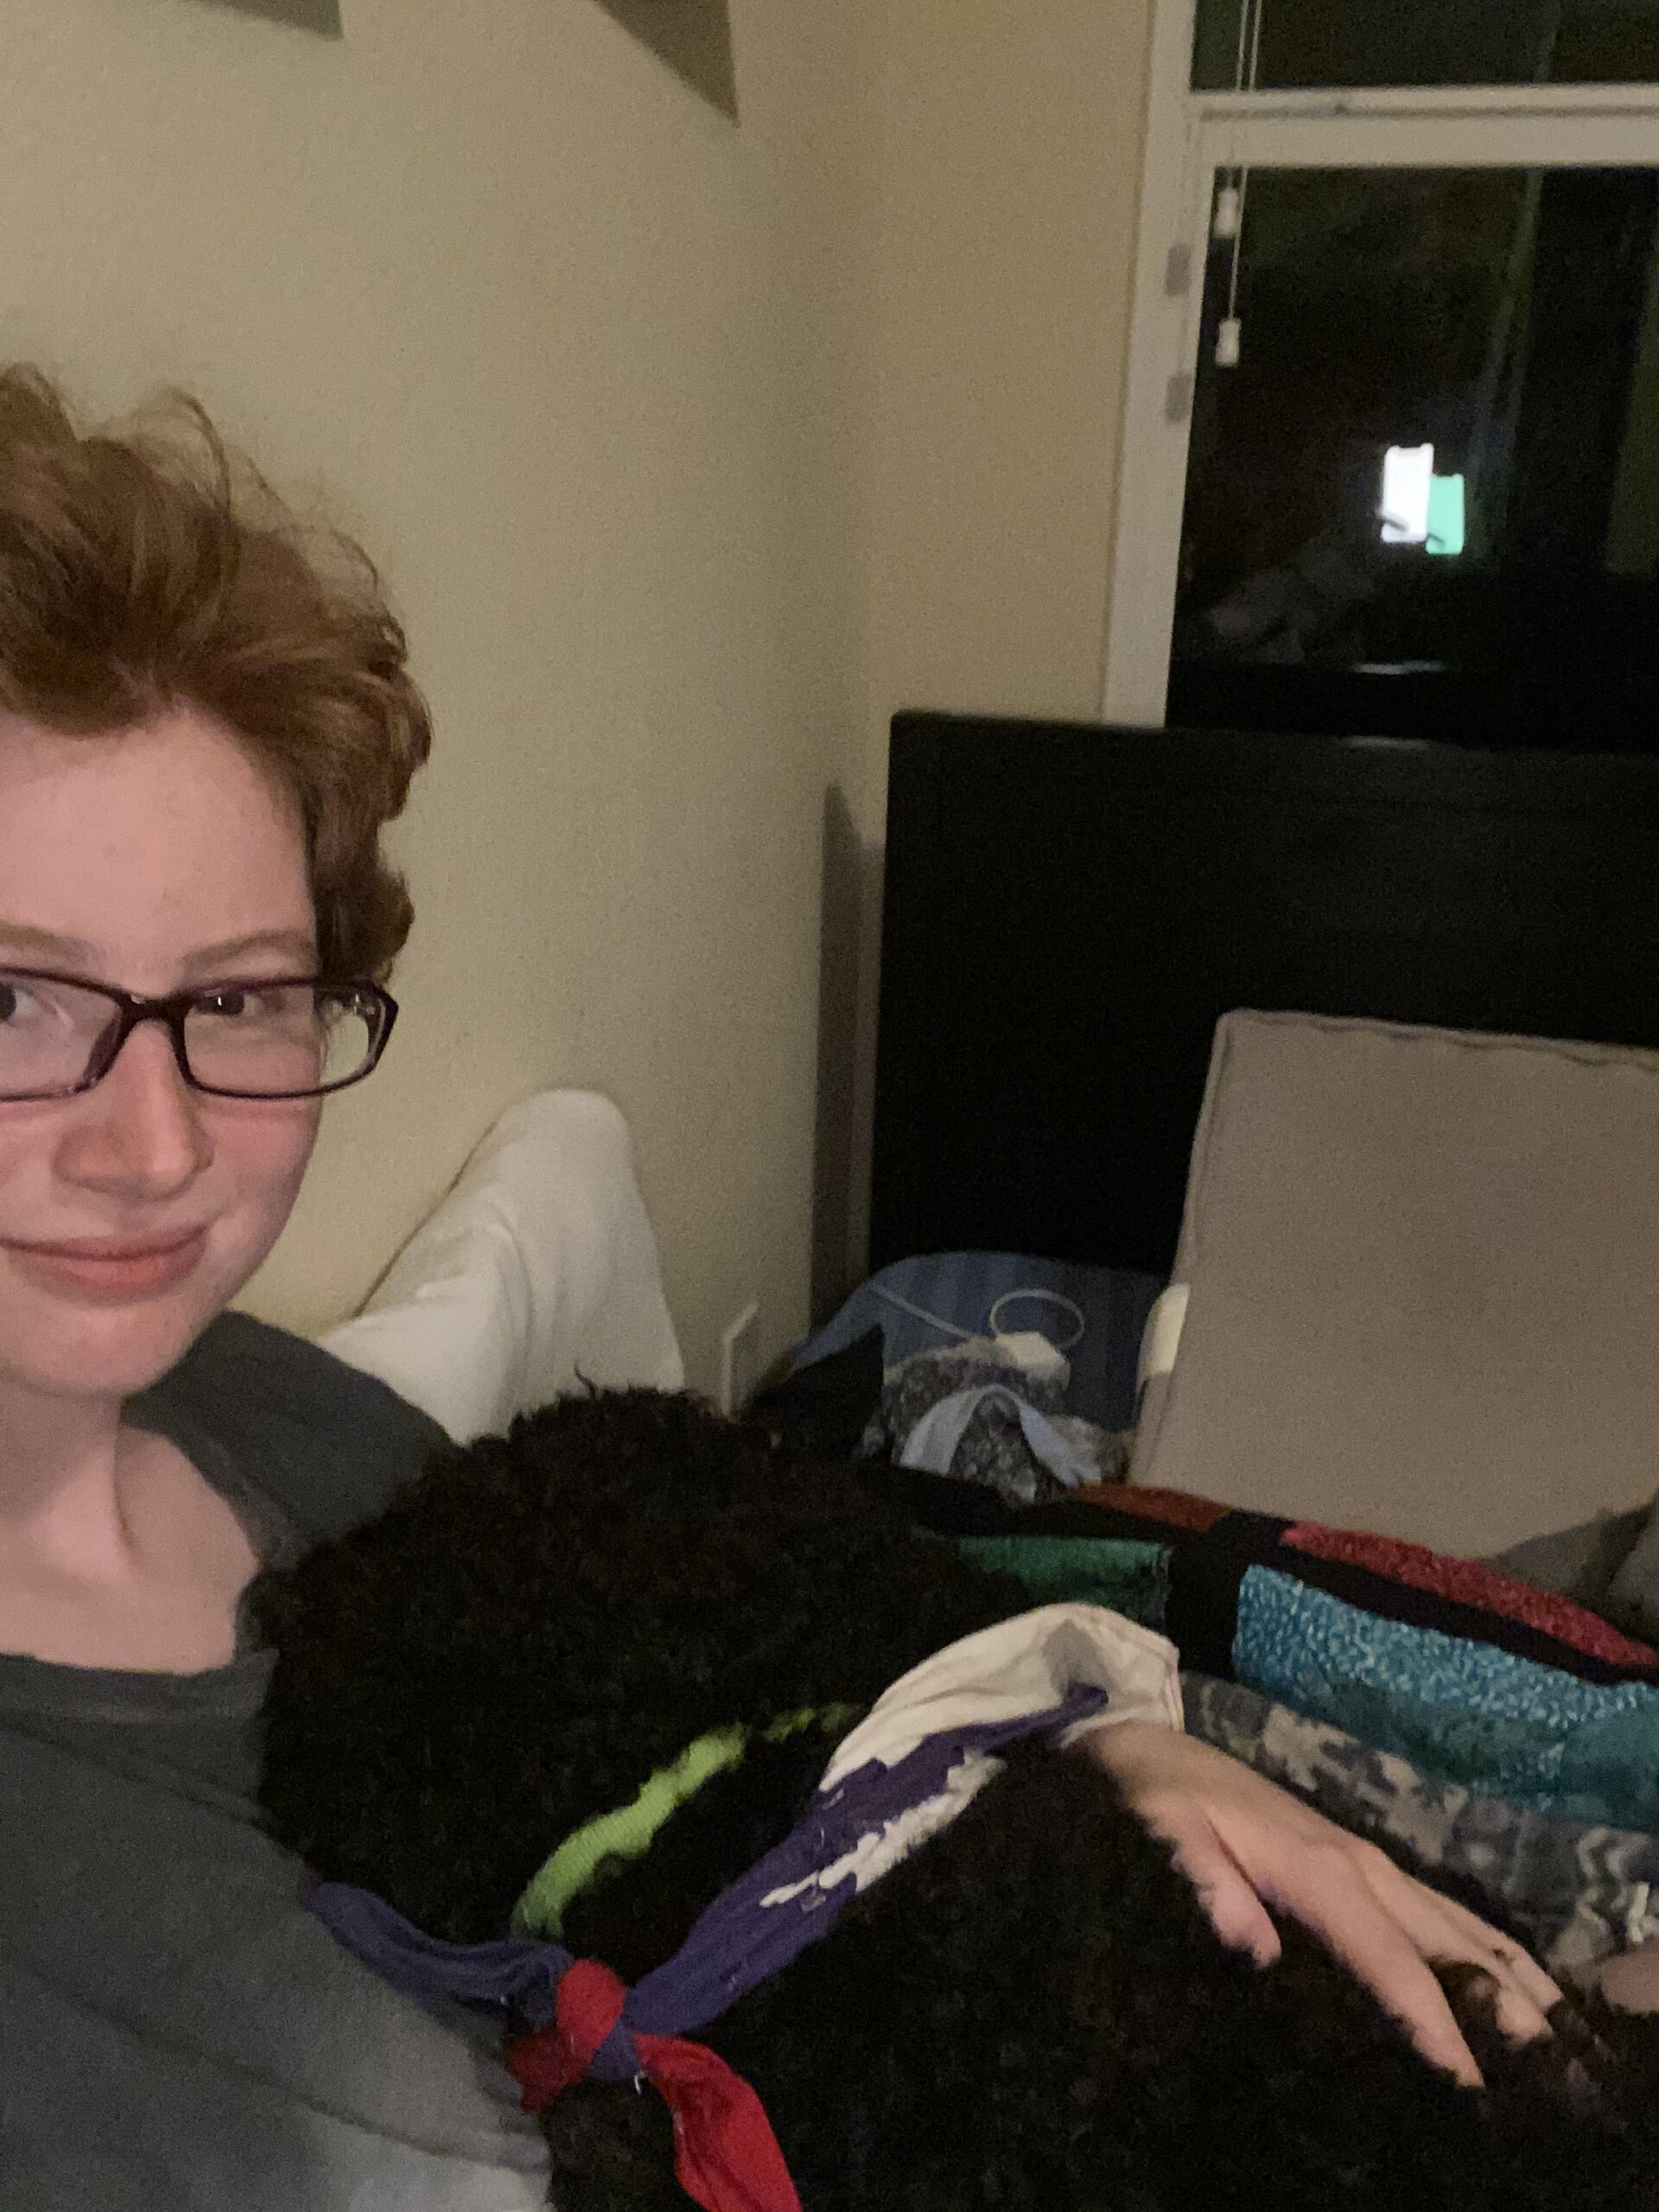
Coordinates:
(1422, 1276)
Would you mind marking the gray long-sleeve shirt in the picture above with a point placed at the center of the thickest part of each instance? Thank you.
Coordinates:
(177, 2034)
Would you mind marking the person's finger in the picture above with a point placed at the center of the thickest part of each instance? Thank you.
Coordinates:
(1440, 1929)
(1229, 1898)
(1386, 1961)
(1371, 1943)
(1511, 1962)
(1541, 1987)
(1437, 1930)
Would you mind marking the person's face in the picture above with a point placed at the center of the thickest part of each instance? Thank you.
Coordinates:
(157, 859)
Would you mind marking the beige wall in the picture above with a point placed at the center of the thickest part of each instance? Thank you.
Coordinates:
(1010, 135)
(1010, 149)
(690, 451)
(564, 345)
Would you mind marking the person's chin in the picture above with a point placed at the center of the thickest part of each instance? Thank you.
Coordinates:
(107, 1339)
(114, 1355)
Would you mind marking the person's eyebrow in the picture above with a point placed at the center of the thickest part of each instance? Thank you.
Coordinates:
(298, 947)
(43, 945)
(210, 961)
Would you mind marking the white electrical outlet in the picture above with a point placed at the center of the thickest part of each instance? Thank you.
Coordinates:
(737, 1357)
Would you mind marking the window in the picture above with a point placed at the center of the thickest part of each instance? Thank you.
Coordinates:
(1392, 436)
(1279, 45)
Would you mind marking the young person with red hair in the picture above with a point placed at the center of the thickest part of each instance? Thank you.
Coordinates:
(205, 720)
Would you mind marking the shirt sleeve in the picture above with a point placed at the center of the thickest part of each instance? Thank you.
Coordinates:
(276, 1416)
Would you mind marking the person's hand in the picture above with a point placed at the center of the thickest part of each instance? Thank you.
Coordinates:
(1246, 1845)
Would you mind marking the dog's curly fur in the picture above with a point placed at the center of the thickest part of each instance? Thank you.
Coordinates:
(1032, 2013)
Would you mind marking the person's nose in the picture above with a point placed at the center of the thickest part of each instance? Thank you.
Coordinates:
(139, 1132)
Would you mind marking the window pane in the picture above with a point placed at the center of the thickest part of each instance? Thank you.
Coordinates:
(1306, 43)
(1425, 499)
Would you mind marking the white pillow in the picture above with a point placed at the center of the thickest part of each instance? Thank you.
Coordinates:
(538, 1268)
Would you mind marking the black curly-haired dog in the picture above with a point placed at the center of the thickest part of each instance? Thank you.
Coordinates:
(1031, 2012)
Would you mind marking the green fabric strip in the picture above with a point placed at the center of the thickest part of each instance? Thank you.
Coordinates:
(1129, 1576)
(629, 1831)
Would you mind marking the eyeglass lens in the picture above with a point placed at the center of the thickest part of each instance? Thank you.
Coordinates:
(258, 1042)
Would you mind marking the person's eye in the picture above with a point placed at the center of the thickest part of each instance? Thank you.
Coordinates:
(255, 1006)
(19, 1004)
(37, 1015)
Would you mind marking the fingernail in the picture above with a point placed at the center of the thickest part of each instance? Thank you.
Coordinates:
(1520, 2021)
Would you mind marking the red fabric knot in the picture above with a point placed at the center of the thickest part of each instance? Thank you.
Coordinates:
(725, 2156)
(587, 2006)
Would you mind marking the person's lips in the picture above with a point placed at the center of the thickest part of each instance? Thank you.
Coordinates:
(109, 1266)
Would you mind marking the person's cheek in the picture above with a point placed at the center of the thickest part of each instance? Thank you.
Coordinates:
(264, 1154)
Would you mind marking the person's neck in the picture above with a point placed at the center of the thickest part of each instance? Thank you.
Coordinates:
(60, 1502)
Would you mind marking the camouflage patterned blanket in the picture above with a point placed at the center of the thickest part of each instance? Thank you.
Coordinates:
(1574, 1892)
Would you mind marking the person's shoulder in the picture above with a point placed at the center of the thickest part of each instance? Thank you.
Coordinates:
(329, 1443)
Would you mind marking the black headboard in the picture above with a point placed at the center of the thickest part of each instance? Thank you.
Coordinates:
(1069, 908)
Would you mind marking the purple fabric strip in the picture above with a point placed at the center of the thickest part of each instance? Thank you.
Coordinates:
(511, 1973)
(734, 1945)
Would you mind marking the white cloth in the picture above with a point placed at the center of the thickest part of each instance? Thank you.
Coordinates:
(1020, 1666)
(1023, 1666)
(538, 1266)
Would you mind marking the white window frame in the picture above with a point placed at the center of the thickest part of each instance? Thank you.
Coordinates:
(1189, 136)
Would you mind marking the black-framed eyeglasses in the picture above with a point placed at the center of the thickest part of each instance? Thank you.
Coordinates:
(263, 1037)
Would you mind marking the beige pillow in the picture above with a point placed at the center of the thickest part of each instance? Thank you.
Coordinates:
(1421, 1279)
